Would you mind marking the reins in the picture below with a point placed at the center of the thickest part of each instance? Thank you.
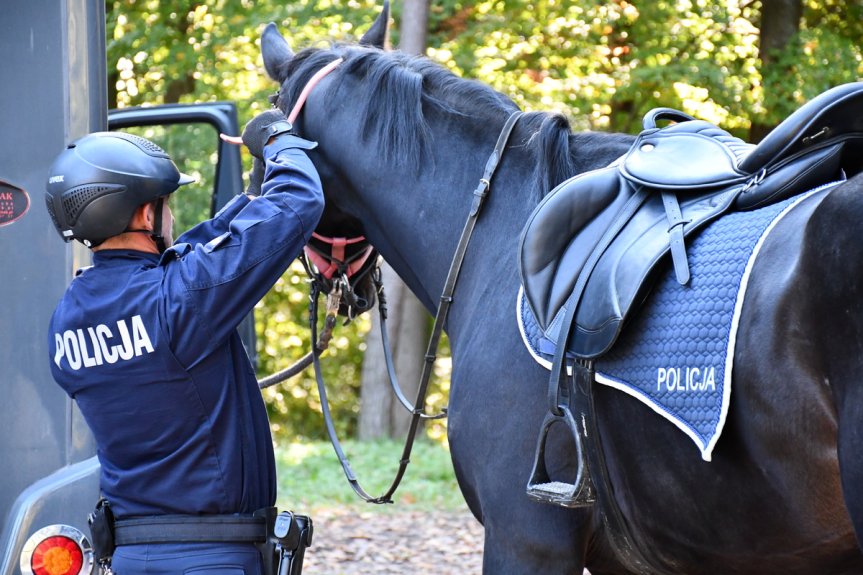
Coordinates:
(446, 299)
(333, 277)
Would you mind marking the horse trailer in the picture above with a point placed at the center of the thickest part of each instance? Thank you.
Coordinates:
(53, 89)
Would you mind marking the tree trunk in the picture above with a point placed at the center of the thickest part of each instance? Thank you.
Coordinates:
(381, 414)
(415, 22)
(780, 22)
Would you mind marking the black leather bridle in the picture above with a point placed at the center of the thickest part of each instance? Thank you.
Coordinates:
(417, 410)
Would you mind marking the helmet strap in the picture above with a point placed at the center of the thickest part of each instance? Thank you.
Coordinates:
(157, 227)
(156, 233)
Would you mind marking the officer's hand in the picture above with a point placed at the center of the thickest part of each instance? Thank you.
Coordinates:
(263, 127)
(256, 178)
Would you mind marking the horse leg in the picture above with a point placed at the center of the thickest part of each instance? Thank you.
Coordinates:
(493, 426)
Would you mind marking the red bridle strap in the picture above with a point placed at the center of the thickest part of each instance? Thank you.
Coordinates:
(319, 75)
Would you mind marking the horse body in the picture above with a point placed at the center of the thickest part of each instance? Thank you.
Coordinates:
(771, 499)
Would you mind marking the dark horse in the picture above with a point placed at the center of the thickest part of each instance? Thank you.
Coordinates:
(403, 142)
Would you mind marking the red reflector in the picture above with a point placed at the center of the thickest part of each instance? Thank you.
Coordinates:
(57, 555)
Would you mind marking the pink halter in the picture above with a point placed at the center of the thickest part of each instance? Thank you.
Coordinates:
(329, 266)
(336, 261)
(319, 75)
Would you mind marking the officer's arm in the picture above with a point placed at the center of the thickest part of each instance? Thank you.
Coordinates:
(218, 224)
(284, 163)
(224, 278)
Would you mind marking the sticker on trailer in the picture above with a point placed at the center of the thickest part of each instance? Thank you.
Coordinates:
(14, 203)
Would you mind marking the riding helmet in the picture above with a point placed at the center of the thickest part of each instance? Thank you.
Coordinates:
(96, 184)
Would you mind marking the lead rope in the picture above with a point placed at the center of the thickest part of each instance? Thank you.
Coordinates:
(446, 298)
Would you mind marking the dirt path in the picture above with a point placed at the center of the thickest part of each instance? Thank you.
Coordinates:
(395, 543)
(398, 542)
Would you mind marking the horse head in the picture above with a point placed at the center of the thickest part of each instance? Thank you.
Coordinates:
(342, 258)
(393, 130)
(319, 114)
(338, 249)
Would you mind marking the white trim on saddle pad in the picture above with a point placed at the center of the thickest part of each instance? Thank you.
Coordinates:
(705, 447)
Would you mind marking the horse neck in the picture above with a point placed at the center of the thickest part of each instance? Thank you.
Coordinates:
(412, 213)
(486, 291)
(420, 230)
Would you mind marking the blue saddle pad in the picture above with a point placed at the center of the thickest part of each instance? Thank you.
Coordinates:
(677, 353)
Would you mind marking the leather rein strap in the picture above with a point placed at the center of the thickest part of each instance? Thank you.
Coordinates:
(446, 298)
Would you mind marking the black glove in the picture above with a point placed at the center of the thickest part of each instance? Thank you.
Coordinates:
(256, 177)
(263, 127)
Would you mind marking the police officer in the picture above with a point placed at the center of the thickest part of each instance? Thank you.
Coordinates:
(145, 341)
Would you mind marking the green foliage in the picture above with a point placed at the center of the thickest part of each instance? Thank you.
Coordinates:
(602, 64)
(282, 326)
(209, 50)
(429, 482)
(826, 52)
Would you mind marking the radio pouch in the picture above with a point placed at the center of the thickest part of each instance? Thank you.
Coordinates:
(101, 522)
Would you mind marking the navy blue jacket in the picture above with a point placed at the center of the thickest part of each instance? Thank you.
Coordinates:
(148, 348)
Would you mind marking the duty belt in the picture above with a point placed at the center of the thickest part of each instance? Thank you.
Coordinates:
(190, 529)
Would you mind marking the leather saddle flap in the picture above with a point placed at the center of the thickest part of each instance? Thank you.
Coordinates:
(686, 156)
(561, 234)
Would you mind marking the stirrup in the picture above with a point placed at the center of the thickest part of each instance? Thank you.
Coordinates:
(542, 488)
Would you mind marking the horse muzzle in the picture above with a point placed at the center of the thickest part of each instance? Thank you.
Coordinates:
(350, 265)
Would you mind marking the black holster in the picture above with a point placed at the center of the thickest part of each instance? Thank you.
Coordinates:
(101, 522)
(287, 539)
(294, 533)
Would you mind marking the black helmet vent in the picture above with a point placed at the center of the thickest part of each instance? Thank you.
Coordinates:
(143, 143)
(75, 200)
(49, 201)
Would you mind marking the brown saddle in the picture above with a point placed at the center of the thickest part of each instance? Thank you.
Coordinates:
(595, 240)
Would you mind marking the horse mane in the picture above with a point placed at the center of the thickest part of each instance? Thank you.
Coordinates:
(402, 84)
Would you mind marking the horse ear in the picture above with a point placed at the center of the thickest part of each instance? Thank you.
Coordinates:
(377, 34)
(276, 52)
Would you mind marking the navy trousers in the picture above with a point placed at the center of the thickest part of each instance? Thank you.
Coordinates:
(187, 558)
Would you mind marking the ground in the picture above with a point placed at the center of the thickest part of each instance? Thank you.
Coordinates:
(347, 542)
